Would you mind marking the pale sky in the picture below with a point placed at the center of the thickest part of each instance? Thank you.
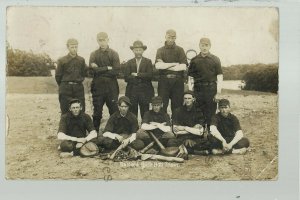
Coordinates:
(238, 35)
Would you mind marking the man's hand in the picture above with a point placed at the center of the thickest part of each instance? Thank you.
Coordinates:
(189, 143)
(94, 65)
(134, 74)
(109, 68)
(226, 147)
(216, 97)
(81, 140)
(126, 141)
(119, 138)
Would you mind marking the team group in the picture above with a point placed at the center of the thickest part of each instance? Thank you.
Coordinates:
(193, 112)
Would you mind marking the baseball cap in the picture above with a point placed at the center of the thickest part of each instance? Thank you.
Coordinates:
(224, 103)
(102, 35)
(189, 92)
(205, 41)
(156, 100)
(171, 32)
(74, 101)
(124, 99)
(72, 41)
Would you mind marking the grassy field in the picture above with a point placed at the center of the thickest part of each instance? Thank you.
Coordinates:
(32, 110)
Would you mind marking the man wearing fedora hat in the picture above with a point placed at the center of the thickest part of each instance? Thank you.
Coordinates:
(105, 64)
(121, 128)
(171, 63)
(138, 75)
(69, 75)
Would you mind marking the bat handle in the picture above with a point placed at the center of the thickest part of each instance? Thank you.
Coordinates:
(157, 141)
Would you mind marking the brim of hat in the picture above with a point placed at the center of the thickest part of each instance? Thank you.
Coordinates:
(132, 47)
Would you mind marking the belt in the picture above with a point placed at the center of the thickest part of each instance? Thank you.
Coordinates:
(205, 83)
(71, 82)
(170, 76)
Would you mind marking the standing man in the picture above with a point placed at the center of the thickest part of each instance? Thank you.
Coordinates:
(226, 132)
(121, 127)
(69, 74)
(73, 127)
(188, 123)
(171, 63)
(207, 73)
(105, 63)
(138, 75)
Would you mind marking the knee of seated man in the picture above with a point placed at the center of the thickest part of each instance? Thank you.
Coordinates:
(243, 143)
(142, 134)
(137, 144)
(67, 146)
(173, 143)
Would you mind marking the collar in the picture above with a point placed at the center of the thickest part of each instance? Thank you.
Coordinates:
(158, 113)
(208, 55)
(104, 50)
(73, 116)
(120, 116)
(70, 57)
(228, 116)
(170, 46)
(186, 109)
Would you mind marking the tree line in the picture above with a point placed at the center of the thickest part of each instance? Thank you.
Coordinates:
(260, 77)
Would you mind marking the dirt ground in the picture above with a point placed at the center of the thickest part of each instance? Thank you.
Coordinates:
(32, 110)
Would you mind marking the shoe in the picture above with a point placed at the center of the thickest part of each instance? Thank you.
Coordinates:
(217, 151)
(66, 154)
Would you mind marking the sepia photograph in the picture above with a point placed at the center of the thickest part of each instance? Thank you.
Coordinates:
(142, 93)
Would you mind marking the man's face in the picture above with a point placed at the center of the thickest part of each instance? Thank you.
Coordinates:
(188, 99)
(204, 48)
(75, 109)
(156, 107)
(123, 108)
(138, 52)
(170, 39)
(73, 49)
(225, 110)
(103, 42)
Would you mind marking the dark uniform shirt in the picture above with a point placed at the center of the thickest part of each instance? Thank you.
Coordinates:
(205, 69)
(190, 118)
(104, 58)
(227, 126)
(70, 69)
(118, 124)
(75, 126)
(171, 54)
(160, 117)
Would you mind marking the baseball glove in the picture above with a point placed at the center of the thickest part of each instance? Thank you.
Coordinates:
(89, 149)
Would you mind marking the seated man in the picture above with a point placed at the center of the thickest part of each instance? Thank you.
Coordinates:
(121, 127)
(226, 131)
(187, 124)
(72, 128)
(156, 121)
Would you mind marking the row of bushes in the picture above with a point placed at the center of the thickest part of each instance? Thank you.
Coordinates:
(23, 63)
(265, 80)
(237, 72)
